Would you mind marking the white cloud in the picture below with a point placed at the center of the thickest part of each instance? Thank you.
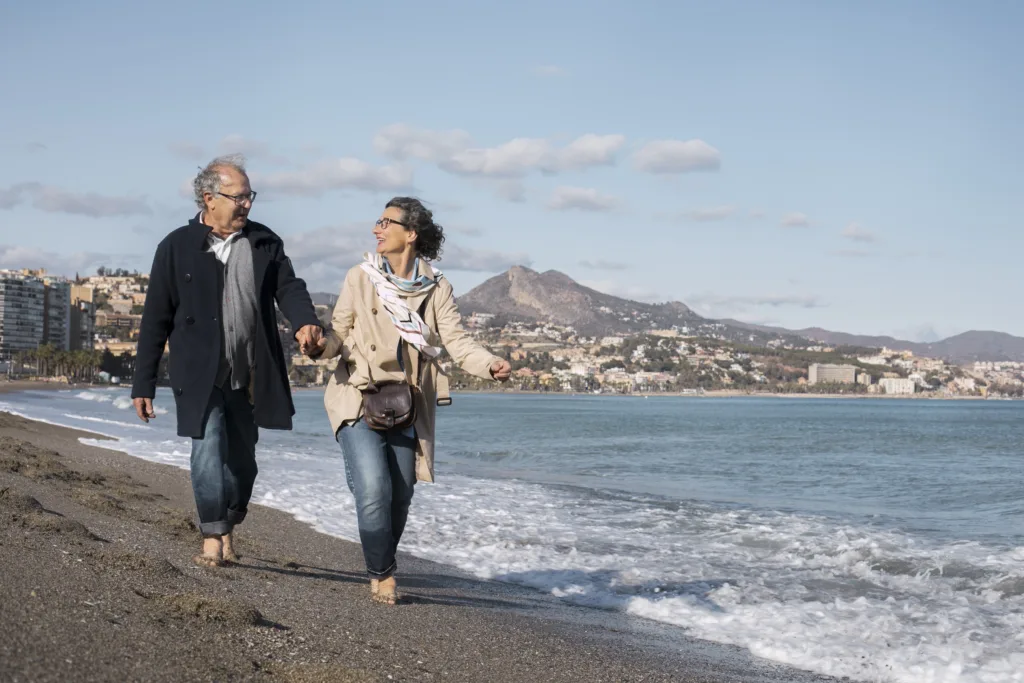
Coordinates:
(677, 156)
(454, 152)
(586, 151)
(856, 233)
(402, 142)
(717, 302)
(56, 200)
(582, 198)
(551, 71)
(795, 219)
(604, 265)
(713, 213)
(512, 159)
(337, 174)
(756, 213)
(12, 256)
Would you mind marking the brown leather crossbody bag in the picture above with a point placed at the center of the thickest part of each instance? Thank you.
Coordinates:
(390, 404)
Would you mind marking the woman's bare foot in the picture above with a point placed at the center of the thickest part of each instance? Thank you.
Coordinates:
(384, 591)
(227, 548)
(211, 555)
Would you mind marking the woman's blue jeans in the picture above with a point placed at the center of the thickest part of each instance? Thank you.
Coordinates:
(380, 467)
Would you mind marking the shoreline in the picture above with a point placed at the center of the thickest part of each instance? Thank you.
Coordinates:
(23, 385)
(64, 590)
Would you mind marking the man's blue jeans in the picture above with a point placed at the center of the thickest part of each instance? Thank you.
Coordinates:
(224, 462)
(380, 467)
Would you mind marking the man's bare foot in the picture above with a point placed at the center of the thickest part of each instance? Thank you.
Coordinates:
(384, 591)
(211, 555)
(228, 548)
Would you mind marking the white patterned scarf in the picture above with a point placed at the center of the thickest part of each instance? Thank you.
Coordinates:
(392, 292)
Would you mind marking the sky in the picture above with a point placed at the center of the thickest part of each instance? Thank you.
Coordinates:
(849, 165)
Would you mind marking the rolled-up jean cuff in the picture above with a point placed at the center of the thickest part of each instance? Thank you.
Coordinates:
(236, 516)
(386, 574)
(215, 528)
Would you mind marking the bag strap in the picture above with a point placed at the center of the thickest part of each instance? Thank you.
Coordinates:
(443, 387)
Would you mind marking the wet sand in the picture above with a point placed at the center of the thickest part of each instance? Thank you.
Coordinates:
(95, 550)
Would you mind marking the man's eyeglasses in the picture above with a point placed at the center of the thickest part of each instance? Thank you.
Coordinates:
(240, 198)
(385, 222)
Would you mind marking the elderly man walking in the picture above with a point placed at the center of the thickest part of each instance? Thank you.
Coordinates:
(211, 293)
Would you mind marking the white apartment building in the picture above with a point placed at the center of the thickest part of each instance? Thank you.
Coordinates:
(897, 385)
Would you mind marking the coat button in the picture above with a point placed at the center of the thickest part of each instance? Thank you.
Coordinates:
(373, 347)
(178, 392)
(188, 277)
(189, 320)
(373, 310)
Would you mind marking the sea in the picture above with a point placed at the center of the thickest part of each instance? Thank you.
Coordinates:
(881, 540)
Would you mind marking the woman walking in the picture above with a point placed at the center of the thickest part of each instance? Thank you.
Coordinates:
(394, 317)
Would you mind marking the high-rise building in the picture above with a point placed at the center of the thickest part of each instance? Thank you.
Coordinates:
(823, 373)
(22, 313)
(57, 313)
(83, 318)
(83, 326)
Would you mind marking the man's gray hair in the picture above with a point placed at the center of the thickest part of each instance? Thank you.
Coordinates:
(208, 179)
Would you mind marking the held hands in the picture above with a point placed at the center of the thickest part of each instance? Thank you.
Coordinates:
(144, 408)
(501, 370)
(311, 340)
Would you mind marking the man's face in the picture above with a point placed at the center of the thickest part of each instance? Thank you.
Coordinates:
(229, 208)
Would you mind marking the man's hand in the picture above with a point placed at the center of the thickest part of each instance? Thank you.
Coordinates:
(310, 338)
(144, 408)
(501, 370)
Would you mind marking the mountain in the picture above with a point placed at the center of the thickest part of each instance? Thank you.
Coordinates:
(522, 294)
(968, 347)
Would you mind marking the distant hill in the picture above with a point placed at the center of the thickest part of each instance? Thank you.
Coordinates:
(522, 294)
(975, 345)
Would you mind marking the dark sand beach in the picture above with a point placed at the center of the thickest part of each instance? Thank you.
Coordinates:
(95, 550)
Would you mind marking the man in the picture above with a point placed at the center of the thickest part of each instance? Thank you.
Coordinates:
(211, 294)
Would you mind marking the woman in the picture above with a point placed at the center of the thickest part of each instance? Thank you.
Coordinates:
(394, 314)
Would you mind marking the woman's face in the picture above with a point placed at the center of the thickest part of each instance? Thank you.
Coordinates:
(392, 236)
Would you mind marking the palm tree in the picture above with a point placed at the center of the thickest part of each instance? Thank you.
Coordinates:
(44, 359)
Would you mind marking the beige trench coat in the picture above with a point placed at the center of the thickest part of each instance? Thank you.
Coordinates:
(363, 335)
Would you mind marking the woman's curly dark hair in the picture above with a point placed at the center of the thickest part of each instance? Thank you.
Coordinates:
(429, 235)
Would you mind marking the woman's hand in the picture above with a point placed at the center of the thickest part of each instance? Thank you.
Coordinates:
(501, 370)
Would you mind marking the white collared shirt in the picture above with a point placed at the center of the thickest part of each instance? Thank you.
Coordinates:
(220, 246)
